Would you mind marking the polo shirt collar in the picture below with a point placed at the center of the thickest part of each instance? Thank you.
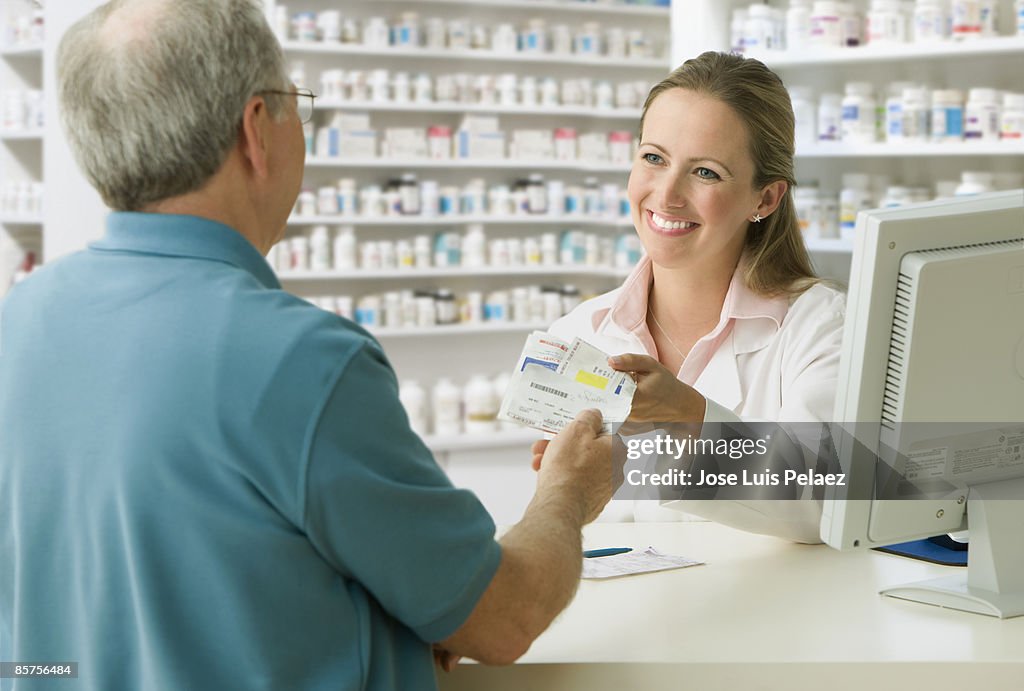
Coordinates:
(757, 318)
(176, 235)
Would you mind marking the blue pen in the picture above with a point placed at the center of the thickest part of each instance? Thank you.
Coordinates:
(606, 552)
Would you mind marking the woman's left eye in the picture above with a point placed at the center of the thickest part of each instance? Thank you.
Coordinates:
(707, 174)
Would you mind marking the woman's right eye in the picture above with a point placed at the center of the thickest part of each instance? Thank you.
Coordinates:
(653, 158)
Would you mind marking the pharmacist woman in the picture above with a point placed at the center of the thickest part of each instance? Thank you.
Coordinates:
(724, 318)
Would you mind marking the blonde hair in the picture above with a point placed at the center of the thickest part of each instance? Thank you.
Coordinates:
(777, 262)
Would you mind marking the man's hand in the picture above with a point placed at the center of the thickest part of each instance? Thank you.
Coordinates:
(579, 460)
(659, 397)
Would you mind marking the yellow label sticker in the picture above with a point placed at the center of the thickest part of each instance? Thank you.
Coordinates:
(595, 380)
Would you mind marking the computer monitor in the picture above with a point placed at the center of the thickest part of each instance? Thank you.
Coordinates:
(931, 394)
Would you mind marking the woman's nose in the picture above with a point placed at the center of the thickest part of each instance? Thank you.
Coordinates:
(671, 191)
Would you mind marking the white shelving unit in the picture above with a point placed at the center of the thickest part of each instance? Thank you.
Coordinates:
(509, 164)
(993, 62)
(462, 220)
(569, 7)
(21, 150)
(495, 109)
(460, 56)
(459, 351)
(453, 272)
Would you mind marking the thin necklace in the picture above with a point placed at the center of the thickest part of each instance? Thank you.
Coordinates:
(664, 333)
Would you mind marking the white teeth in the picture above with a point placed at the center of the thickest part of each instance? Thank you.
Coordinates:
(670, 225)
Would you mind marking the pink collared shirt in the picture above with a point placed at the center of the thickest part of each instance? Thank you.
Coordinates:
(629, 311)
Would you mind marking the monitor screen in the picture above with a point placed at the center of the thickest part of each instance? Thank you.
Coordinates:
(930, 400)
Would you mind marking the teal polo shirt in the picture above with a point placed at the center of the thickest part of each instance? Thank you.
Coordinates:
(208, 483)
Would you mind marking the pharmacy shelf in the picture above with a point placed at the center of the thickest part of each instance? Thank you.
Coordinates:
(905, 150)
(828, 246)
(812, 58)
(453, 272)
(492, 440)
(18, 220)
(310, 48)
(443, 221)
(34, 50)
(464, 164)
(632, 114)
(456, 329)
(22, 136)
(588, 8)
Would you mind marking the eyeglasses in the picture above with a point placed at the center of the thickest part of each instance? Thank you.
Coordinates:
(304, 99)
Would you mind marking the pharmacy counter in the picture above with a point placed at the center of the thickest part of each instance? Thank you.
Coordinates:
(760, 614)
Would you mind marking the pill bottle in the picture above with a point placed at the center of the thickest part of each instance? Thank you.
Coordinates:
(851, 25)
(896, 195)
(916, 114)
(474, 247)
(444, 302)
(320, 249)
(345, 249)
(931, 21)
(758, 30)
(826, 24)
(300, 253)
(537, 194)
(447, 407)
(429, 198)
(798, 25)
(886, 22)
(405, 257)
(307, 203)
(409, 195)
(853, 198)
(830, 117)
(327, 201)
(966, 19)
(808, 210)
(947, 115)
(422, 252)
(893, 127)
(481, 405)
(737, 29)
(803, 112)
(973, 182)
(858, 124)
(982, 114)
(1012, 119)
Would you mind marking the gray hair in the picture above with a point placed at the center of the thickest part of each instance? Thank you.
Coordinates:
(152, 92)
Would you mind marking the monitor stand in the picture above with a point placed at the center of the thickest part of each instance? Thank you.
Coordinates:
(994, 581)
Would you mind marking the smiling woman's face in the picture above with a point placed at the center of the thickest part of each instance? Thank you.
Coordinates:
(690, 189)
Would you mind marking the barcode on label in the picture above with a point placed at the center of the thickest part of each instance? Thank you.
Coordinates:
(548, 389)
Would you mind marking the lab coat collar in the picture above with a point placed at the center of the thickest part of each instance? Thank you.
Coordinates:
(756, 318)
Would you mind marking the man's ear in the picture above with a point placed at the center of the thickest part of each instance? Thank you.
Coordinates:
(254, 137)
(771, 197)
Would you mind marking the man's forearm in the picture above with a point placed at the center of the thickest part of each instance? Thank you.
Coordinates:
(539, 571)
(545, 549)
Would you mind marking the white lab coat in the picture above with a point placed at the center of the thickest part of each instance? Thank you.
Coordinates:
(762, 371)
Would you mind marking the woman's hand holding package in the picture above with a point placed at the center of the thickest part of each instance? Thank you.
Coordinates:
(660, 396)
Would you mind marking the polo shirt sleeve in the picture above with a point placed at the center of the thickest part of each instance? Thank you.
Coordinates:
(383, 513)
